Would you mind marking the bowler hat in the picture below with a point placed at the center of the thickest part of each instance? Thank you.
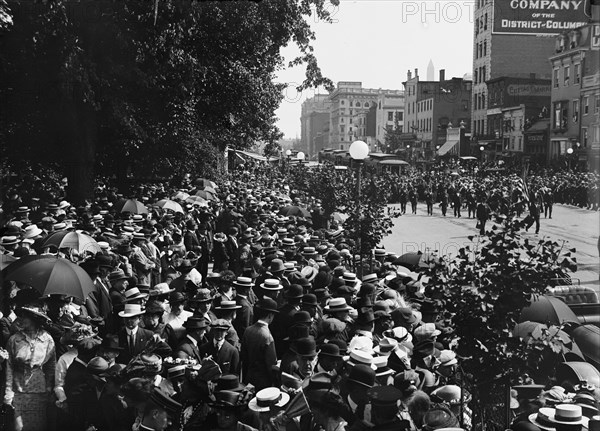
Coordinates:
(330, 349)
(229, 382)
(267, 304)
(195, 323)
(305, 347)
(294, 291)
(301, 317)
(363, 375)
(309, 299)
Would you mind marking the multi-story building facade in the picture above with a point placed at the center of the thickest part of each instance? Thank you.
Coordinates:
(389, 116)
(314, 123)
(431, 107)
(575, 120)
(510, 39)
(514, 105)
(349, 108)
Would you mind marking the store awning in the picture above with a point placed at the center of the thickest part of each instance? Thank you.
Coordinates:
(447, 147)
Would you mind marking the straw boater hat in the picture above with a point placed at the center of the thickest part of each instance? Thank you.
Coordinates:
(228, 305)
(244, 282)
(337, 304)
(568, 414)
(132, 310)
(271, 284)
(268, 397)
(134, 294)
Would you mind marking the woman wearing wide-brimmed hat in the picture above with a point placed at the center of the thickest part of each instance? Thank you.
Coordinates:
(30, 370)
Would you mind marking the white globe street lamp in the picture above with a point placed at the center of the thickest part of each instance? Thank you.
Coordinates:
(300, 156)
(569, 151)
(359, 150)
(288, 153)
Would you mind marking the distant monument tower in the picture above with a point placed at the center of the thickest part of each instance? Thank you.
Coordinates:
(430, 71)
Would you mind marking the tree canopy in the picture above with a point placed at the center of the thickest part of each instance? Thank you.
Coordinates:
(156, 88)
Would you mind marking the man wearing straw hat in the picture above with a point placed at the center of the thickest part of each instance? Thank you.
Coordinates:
(132, 338)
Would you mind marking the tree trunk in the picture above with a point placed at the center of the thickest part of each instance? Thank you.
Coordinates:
(81, 144)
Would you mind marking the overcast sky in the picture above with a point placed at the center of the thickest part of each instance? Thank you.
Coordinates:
(377, 41)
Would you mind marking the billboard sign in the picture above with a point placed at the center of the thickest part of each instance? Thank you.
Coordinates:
(538, 17)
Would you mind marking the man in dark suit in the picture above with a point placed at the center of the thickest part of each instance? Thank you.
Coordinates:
(245, 315)
(133, 339)
(284, 319)
(222, 352)
(196, 328)
(77, 380)
(258, 347)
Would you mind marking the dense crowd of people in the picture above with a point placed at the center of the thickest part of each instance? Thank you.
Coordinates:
(221, 313)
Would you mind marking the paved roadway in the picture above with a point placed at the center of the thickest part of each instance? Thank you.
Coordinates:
(579, 227)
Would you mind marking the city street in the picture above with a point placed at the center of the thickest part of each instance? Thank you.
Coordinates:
(579, 227)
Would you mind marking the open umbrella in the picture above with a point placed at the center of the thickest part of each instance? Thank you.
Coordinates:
(587, 338)
(548, 309)
(410, 260)
(203, 182)
(197, 200)
(131, 205)
(168, 204)
(295, 211)
(50, 275)
(75, 240)
(206, 195)
(575, 372)
(5, 260)
(180, 196)
(529, 329)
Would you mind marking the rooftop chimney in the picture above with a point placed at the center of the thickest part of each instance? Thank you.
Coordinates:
(416, 73)
(408, 75)
(442, 75)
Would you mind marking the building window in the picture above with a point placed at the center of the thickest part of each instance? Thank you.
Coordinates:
(555, 78)
(483, 77)
(342, 129)
(351, 112)
(484, 48)
(584, 137)
(342, 102)
(597, 104)
(475, 76)
(390, 116)
(350, 120)
(485, 20)
(577, 73)
(520, 143)
(400, 114)
(567, 74)
(561, 115)
(342, 120)
(586, 105)
(575, 111)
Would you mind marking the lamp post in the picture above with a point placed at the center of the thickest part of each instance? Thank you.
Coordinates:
(359, 151)
(301, 156)
(481, 148)
(569, 156)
